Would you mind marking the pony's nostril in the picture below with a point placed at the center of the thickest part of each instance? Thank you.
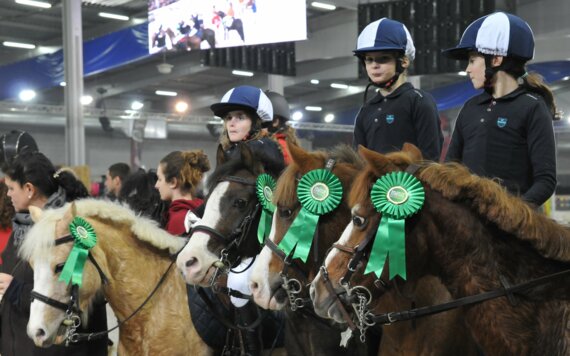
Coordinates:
(191, 261)
(253, 286)
(40, 333)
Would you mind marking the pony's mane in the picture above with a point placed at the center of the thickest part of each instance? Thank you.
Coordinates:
(38, 239)
(342, 154)
(492, 202)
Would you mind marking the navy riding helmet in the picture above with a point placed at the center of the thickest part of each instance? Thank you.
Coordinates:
(498, 34)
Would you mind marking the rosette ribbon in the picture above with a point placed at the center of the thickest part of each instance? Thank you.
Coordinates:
(319, 192)
(397, 195)
(85, 239)
(265, 185)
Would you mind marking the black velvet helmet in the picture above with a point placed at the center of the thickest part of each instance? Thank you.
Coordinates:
(13, 143)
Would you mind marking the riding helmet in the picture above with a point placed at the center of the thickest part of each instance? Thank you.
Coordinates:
(245, 97)
(385, 35)
(13, 143)
(498, 34)
(280, 105)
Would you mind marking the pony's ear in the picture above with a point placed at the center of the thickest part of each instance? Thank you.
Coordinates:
(220, 156)
(414, 152)
(379, 163)
(302, 158)
(36, 213)
(248, 159)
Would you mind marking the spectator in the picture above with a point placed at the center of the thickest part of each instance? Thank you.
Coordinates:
(116, 174)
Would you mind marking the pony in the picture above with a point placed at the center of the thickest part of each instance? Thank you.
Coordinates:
(227, 232)
(129, 259)
(476, 238)
(270, 285)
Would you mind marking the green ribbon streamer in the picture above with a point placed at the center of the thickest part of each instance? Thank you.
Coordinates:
(264, 226)
(73, 268)
(300, 234)
(397, 196)
(85, 239)
(389, 243)
(319, 191)
(265, 185)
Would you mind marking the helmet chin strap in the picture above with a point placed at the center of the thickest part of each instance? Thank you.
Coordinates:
(490, 72)
(390, 82)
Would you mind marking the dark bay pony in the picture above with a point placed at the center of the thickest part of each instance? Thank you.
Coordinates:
(133, 255)
(267, 280)
(477, 238)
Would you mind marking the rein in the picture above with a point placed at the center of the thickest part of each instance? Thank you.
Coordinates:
(72, 309)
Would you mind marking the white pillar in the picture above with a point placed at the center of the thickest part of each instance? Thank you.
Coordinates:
(73, 63)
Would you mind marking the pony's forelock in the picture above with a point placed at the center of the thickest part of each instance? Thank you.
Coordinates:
(41, 236)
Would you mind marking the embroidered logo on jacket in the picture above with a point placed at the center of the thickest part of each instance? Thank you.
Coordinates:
(502, 122)
(389, 119)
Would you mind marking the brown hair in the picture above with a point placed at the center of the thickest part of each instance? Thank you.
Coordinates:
(187, 167)
(6, 208)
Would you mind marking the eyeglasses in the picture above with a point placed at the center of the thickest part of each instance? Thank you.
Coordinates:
(378, 60)
(240, 116)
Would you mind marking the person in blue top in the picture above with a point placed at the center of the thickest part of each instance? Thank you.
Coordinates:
(506, 131)
(398, 113)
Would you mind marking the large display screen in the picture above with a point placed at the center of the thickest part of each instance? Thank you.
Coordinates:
(184, 25)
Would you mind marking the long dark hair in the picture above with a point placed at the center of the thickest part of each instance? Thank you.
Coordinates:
(139, 193)
(6, 208)
(37, 169)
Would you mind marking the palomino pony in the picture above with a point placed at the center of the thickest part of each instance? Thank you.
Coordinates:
(478, 239)
(269, 283)
(133, 255)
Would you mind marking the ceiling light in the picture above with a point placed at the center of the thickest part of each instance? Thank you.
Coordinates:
(462, 73)
(19, 45)
(62, 84)
(109, 15)
(329, 118)
(42, 4)
(297, 115)
(323, 5)
(86, 99)
(339, 86)
(27, 95)
(242, 73)
(166, 93)
(181, 106)
(314, 81)
(313, 108)
(566, 78)
(137, 105)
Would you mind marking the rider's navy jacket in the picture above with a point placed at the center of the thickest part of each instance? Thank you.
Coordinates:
(384, 124)
(510, 138)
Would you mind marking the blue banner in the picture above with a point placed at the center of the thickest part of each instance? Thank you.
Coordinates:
(99, 55)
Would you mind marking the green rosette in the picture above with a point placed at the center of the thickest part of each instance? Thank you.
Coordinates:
(85, 239)
(397, 195)
(265, 185)
(319, 192)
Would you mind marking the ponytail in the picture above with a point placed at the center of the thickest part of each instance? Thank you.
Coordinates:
(534, 82)
(73, 187)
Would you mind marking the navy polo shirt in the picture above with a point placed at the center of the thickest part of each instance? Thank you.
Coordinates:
(384, 124)
(510, 138)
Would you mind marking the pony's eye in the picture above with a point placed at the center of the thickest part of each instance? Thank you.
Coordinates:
(358, 221)
(285, 213)
(240, 203)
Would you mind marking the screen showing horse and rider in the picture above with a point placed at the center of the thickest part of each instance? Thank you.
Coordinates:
(184, 25)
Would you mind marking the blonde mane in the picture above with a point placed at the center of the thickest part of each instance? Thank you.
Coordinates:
(492, 201)
(41, 235)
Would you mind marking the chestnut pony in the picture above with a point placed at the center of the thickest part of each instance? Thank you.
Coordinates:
(133, 255)
(477, 238)
(272, 288)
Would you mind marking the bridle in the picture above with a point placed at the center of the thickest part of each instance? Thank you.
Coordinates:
(233, 241)
(293, 286)
(72, 309)
(358, 296)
